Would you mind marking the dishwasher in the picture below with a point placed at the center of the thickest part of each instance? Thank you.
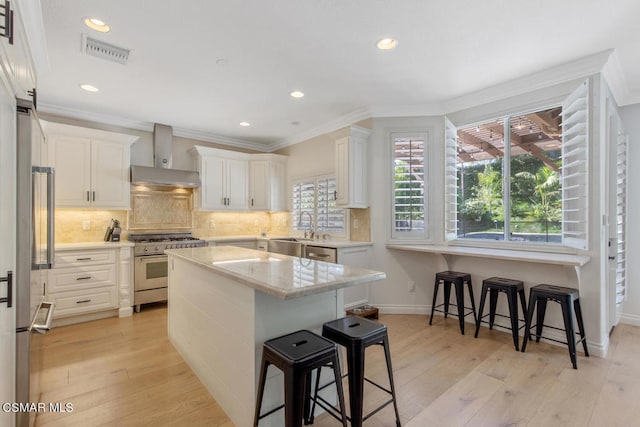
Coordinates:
(320, 253)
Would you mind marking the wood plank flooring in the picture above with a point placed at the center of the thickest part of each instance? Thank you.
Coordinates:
(124, 372)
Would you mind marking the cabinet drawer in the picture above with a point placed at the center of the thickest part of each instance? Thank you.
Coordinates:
(79, 302)
(67, 279)
(86, 257)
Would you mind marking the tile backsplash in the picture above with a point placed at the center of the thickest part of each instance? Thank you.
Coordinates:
(70, 224)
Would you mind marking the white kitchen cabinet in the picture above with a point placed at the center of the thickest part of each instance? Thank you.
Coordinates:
(267, 182)
(359, 256)
(92, 167)
(224, 177)
(83, 281)
(15, 58)
(249, 243)
(351, 169)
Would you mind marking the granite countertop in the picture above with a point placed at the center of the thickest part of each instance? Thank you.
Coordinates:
(279, 275)
(328, 243)
(93, 245)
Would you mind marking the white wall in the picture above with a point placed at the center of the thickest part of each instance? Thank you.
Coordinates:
(631, 308)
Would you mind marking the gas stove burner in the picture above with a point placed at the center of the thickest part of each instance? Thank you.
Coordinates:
(157, 243)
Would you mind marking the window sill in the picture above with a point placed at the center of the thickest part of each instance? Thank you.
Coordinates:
(502, 254)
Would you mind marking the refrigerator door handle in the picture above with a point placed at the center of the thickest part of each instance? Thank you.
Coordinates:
(43, 328)
(9, 280)
(51, 201)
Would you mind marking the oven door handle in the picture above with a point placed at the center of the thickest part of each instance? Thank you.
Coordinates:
(148, 258)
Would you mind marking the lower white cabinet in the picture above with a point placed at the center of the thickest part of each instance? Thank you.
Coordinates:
(86, 281)
(242, 243)
(359, 256)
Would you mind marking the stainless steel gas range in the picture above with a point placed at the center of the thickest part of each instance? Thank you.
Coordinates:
(151, 265)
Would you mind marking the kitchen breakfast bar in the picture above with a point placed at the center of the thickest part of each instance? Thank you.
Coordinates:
(225, 301)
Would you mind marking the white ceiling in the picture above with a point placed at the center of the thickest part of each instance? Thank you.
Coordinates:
(325, 48)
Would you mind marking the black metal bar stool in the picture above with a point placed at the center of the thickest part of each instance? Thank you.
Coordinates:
(513, 289)
(458, 280)
(356, 334)
(569, 300)
(297, 355)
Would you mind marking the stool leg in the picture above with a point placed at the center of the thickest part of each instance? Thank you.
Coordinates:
(387, 355)
(263, 376)
(483, 297)
(460, 301)
(447, 297)
(310, 416)
(567, 314)
(513, 313)
(338, 378)
(355, 361)
(307, 396)
(294, 381)
(523, 303)
(542, 309)
(436, 285)
(527, 321)
(576, 306)
(493, 302)
(472, 299)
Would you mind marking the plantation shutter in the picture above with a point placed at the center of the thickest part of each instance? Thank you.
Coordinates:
(621, 220)
(330, 219)
(450, 180)
(575, 168)
(303, 200)
(408, 186)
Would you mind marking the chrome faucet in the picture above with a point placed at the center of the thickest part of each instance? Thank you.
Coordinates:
(310, 232)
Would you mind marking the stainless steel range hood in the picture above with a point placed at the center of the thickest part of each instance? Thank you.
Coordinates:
(162, 174)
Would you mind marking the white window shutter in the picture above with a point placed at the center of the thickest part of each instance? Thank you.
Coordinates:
(575, 168)
(621, 219)
(450, 180)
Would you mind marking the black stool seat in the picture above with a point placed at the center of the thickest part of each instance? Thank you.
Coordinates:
(569, 300)
(356, 334)
(297, 354)
(458, 279)
(512, 288)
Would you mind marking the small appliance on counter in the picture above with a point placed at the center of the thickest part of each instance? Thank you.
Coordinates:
(113, 231)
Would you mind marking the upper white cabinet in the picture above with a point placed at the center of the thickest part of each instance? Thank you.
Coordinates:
(225, 179)
(92, 166)
(15, 57)
(351, 169)
(267, 182)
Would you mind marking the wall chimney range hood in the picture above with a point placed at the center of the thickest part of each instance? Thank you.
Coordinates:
(162, 174)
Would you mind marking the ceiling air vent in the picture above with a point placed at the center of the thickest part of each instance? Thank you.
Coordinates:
(104, 50)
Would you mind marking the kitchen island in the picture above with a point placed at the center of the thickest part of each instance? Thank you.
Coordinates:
(225, 301)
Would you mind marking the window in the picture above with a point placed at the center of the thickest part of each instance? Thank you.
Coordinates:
(313, 201)
(521, 177)
(408, 188)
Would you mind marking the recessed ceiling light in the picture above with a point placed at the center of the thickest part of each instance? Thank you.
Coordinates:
(89, 88)
(297, 94)
(387, 43)
(245, 124)
(97, 24)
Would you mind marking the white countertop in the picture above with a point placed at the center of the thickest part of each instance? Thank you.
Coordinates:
(279, 275)
(502, 254)
(329, 243)
(93, 245)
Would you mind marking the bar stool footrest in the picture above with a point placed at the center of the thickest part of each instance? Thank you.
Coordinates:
(500, 326)
(449, 313)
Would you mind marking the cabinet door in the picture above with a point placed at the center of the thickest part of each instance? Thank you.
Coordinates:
(212, 190)
(71, 158)
(16, 59)
(110, 175)
(237, 184)
(259, 183)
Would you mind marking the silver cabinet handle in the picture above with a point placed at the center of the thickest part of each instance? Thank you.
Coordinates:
(94, 195)
(51, 205)
(83, 278)
(311, 254)
(82, 301)
(88, 199)
(83, 259)
(43, 328)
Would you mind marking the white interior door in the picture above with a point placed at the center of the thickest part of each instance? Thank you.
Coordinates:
(7, 245)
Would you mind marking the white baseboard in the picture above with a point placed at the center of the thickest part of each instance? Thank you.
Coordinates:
(70, 320)
(125, 312)
(630, 319)
(403, 309)
(355, 304)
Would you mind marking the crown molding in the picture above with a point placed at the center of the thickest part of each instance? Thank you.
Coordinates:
(147, 126)
(579, 68)
(614, 75)
(331, 126)
(407, 110)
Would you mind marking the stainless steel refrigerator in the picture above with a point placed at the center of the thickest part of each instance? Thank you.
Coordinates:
(34, 254)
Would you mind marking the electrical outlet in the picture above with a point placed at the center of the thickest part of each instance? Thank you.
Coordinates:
(411, 285)
(86, 224)
(212, 224)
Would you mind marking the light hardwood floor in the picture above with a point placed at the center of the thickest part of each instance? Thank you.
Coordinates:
(124, 372)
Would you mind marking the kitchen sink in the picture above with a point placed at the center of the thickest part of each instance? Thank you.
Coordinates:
(287, 246)
(303, 248)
